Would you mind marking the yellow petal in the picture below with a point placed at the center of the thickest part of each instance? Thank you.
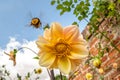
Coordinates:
(89, 76)
(78, 51)
(79, 48)
(64, 65)
(41, 40)
(56, 30)
(47, 34)
(71, 32)
(75, 63)
(54, 65)
(46, 59)
(79, 41)
(43, 44)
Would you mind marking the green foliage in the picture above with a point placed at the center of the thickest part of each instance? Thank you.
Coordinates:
(19, 77)
(5, 74)
(15, 51)
(104, 9)
(75, 23)
(36, 57)
(46, 26)
(59, 78)
(52, 2)
(101, 77)
(80, 8)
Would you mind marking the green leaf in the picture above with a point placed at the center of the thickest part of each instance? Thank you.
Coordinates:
(75, 23)
(52, 2)
(86, 7)
(62, 12)
(68, 9)
(66, 3)
(111, 13)
(46, 26)
(101, 54)
(58, 1)
(101, 77)
(15, 51)
(107, 49)
(80, 18)
(57, 77)
(81, 3)
(75, 1)
(28, 74)
(3, 66)
(36, 57)
(60, 6)
(72, 6)
(111, 6)
(76, 13)
(8, 74)
(19, 77)
(118, 1)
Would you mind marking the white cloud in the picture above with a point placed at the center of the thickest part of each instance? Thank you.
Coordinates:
(12, 44)
(24, 59)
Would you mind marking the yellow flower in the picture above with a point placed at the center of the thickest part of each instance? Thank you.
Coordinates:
(38, 71)
(12, 56)
(97, 62)
(115, 65)
(62, 48)
(101, 71)
(89, 76)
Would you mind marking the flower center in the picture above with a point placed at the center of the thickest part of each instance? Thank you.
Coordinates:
(60, 47)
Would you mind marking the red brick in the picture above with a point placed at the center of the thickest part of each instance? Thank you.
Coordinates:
(111, 36)
(110, 57)
(93, 41)
(116, 41)
(118, 54)
(111, 61)
(118, 62)
(118, 46)
(114, 74)
(118, 78)
(104, 58)
(94, 51)
(107, 69)
(112, 53)
(79, 77)
(85, 67)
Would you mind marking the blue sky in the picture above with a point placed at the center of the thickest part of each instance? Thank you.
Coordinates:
(15, 15)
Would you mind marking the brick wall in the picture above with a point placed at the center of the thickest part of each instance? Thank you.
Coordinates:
(108, 47)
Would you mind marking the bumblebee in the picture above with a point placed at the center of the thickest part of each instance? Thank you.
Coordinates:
(35, 22)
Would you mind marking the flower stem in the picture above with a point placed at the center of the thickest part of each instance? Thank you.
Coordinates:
(27, 48)
(49, 73)
(52, 75)
(61, 76)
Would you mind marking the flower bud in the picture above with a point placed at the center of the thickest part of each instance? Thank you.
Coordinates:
(101, 71)
(88, 76)
(97, 62)
(115, 65)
